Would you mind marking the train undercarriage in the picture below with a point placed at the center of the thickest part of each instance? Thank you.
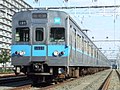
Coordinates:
(42, 73)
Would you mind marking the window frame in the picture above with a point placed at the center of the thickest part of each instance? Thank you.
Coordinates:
(35, 34)
(19, 37)
(57, 40)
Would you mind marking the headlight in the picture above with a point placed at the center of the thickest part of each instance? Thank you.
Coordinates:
(22, 53)
(55, 53)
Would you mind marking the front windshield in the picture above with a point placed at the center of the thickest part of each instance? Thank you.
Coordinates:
(57, 34)
(22, 34)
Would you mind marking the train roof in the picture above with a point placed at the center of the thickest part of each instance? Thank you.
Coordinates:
(40, 11)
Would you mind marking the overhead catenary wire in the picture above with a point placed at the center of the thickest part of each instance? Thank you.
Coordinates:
(71, 7)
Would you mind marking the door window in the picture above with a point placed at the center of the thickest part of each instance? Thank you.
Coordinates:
(39, 34)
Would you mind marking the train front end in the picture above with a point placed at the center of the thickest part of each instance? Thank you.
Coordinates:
(40, 46)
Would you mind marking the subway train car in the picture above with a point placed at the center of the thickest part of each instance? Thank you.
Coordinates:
(48, 45)
(114, 66)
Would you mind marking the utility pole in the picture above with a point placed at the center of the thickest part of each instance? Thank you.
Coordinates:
(37, 1)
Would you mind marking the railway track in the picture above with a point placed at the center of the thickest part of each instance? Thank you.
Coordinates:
(11, 82)
(25, 87)
(11, 79)
(112, 82)
(43, 86)
(118, 73)
(105, 80)
(106, 83)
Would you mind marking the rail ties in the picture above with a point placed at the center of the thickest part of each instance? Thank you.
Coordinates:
(106, 83)
(25, 87)
(115, 81)
(112, 82)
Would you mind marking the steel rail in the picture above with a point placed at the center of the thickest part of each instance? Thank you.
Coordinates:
(12, 79)
(106, 83)
(118, 74)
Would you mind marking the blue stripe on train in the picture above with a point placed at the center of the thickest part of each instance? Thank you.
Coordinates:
(59, 48)
(40, 50)
(18, 48)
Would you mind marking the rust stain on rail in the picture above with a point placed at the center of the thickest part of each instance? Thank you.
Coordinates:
(106, 83)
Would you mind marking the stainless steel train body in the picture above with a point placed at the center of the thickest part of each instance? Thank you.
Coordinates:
(46, 41)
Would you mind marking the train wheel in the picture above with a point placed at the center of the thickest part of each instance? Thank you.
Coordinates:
(34, 81)
(70, 72)
(74, 72)
(77, 72)
(16, 70)
(16, 73)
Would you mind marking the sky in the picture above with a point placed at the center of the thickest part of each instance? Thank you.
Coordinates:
(101, 23)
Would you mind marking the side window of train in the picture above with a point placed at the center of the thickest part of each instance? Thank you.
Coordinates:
(95, 53)
(88, 47)
(57, 34)
(39, 34)
(78, 41)
(22, 34)
(91, 50)
(82, 43)
(74, 39)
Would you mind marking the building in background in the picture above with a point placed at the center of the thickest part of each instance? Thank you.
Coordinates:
(7, 10)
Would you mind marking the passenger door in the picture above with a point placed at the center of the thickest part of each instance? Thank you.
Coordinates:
(39, 42)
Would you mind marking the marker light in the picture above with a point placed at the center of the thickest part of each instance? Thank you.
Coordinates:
(62, 53)
(21, 53)
(16, 52)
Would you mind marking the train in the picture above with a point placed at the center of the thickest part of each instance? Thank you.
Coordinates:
(48, 45)
(114, 66)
